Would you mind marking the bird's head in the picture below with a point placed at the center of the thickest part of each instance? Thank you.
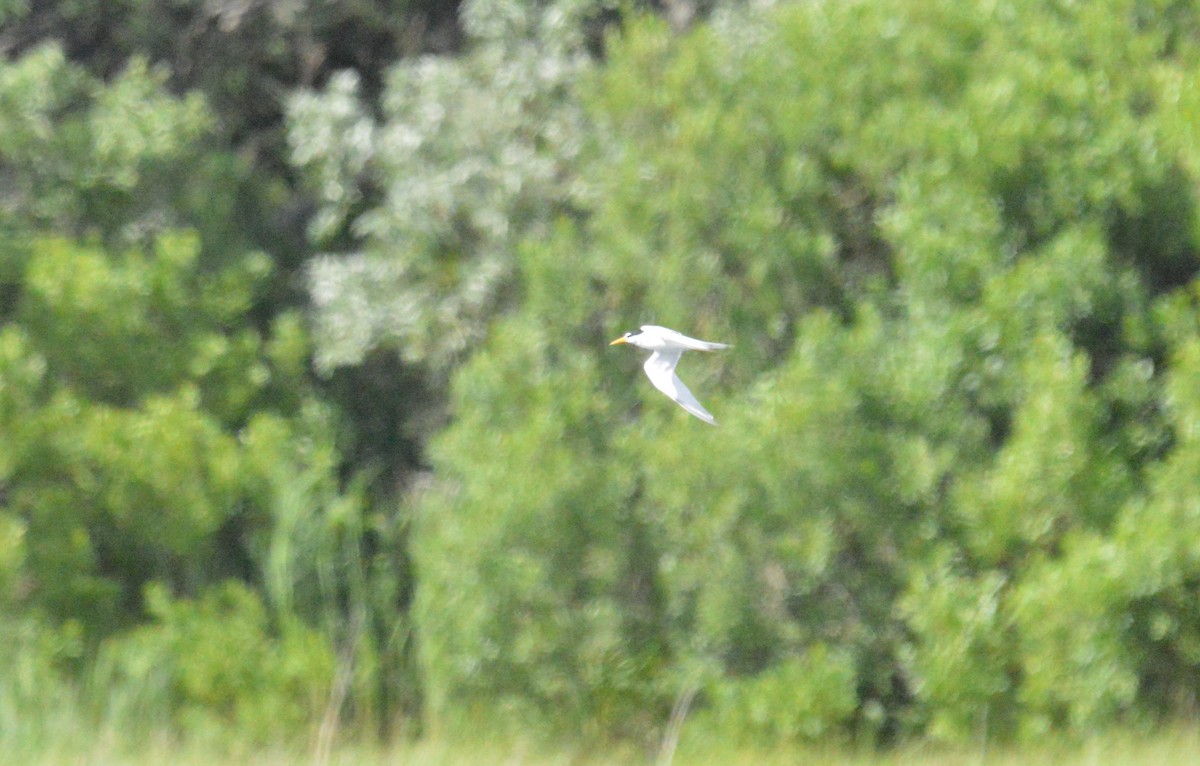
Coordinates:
(629, 337)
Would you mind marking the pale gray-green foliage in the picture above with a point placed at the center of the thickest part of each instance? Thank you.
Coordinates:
(469, 154)
(74, 152)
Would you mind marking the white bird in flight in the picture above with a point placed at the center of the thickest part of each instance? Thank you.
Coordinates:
(668, 346)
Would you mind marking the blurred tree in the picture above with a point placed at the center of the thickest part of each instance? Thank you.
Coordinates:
(424, 193)
(960, 316)
(954, 245)
(470, 154)
(245, 57)
(162, 430)
(423, 188)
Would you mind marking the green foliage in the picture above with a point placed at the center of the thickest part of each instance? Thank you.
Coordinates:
(165, 441)
(38, 701)
(83, 156)
(242, 57)
(954, 489)
(961, 658)
(215, 665)
(126, 386)
(97, 318)
(162, 433)
(554, 617)
(805, 697)
(962, 313)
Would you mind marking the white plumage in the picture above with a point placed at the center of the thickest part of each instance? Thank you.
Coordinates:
(668, 346)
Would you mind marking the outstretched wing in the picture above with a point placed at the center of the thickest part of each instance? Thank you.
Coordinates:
(681, 340)
(660, 368)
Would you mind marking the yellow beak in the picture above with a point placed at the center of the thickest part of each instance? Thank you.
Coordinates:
(618, 341)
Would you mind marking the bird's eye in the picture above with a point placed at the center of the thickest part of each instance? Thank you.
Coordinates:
(628, 335)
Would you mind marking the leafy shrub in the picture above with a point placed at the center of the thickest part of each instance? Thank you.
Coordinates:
(215, 665)
(800, 698)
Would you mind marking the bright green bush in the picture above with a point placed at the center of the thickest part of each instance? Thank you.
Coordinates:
(215, 665)
(809, 696)
(161, 448)
(162, 433)
(546, 601)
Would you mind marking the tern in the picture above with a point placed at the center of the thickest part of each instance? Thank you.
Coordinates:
(668, 346)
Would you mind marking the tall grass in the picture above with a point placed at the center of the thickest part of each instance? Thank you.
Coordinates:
(1174, 746)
